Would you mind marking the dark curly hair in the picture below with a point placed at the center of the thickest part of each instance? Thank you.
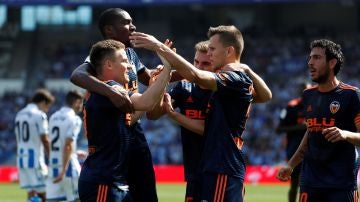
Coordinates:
(332, 51)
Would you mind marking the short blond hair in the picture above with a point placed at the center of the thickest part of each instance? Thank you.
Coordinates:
(202, 46)
(229, 36)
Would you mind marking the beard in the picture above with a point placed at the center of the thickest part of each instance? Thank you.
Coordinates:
(322, 78)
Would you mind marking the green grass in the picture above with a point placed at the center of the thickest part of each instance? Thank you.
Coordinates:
(171, 193)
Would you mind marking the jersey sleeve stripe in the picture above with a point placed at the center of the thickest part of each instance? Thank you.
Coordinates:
(357, 119)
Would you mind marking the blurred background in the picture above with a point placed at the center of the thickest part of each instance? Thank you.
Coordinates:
(43, 41)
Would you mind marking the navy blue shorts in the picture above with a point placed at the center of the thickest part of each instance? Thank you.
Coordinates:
(141, 178)
(192, 191)
(95, 192)
(327, 194)
(221, 187)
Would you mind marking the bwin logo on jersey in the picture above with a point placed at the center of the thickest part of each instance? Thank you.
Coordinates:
(334, 107)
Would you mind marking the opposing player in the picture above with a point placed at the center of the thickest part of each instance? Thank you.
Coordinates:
(64, 167)
(332, 113)
(31, 130)
(292, 122)
(222, 163)
(104, 176)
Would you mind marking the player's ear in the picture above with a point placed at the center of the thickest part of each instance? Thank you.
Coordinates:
(332, 63)
(108, 30)
(108, 64)
(230, 50)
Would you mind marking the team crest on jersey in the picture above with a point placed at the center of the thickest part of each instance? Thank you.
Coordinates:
(334, 107)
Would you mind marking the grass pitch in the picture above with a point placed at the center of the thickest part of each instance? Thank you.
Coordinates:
(170, 193)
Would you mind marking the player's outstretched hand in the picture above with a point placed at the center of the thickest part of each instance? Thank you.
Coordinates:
(142, 40)
(121, 99)
(169, 44)
(154, 74)
(284, 174)
(333, 134)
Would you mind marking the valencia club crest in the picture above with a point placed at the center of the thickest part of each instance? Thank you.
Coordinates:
(334, 107)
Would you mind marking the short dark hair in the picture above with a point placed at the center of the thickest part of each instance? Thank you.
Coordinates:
(229, 36)
(42, 95)
(109, 17)
(202, 46)
(102, 50)
(332, 51)
(72, 96)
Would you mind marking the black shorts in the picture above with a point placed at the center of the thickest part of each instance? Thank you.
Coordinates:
(95, 192)
(327, 194)
(221, 187)
(192, 191)
(141, 178)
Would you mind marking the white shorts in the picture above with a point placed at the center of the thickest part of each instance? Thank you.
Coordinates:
(33, 179)
(66, 189)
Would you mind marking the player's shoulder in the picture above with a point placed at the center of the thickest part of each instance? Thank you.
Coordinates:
(311, 89)
(348, 87)
(233, 76)
(186, 85)
(54, 115)
(294, 102)
(183, 86)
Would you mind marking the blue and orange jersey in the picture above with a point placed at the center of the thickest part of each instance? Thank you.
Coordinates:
(229, 108)
(292, 115)
(138, 138)
(192, 102)
(326, 164)
(108, 141)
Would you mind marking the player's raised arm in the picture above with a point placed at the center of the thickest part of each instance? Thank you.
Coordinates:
(262, 91)
(184, 68)
(152, 95)
(83, 76)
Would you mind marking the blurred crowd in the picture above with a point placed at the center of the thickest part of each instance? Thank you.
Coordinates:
(279, 57)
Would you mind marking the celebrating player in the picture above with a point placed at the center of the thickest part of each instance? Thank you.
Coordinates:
(332, 113)
(105, 172)
(223, 166)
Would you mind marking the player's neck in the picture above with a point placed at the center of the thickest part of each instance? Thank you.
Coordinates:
(228, 61)
(329, 85)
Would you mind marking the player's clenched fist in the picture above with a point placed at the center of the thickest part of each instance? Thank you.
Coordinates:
(284, 174)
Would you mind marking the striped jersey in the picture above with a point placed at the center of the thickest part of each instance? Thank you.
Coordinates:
(30, 123)
(326, 164)
(228, 111)
(63, 124)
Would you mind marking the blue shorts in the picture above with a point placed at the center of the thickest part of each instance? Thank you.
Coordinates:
(95, 192)
(327, 194)
(192, 191)
(221, 187)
